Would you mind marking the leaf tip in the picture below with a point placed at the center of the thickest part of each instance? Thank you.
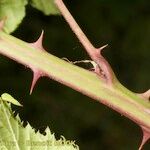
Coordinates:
(7, 97)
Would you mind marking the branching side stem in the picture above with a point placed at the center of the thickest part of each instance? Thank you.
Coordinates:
(103, 69)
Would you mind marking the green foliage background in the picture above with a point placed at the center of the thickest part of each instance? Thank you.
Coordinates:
(125, 26)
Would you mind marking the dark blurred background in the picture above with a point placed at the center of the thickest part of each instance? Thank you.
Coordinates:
(125, 26)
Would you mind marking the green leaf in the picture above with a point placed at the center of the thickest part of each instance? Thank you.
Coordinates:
(7, 97)
(13, 11)
(13, 136)
(46, 6)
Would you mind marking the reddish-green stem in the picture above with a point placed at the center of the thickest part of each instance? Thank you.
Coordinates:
(103, 68)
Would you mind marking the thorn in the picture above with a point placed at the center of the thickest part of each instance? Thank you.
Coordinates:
(145, 95)
(39, 43)
(101, 48)
(146, 137)
(36, 75)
